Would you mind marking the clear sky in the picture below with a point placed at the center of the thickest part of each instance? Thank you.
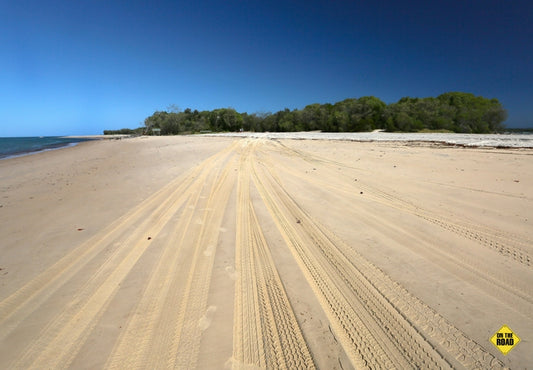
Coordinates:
(79, 67)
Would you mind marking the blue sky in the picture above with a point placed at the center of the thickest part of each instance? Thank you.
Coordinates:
(79, 67)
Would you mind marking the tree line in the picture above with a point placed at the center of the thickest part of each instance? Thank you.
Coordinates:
(453, 111)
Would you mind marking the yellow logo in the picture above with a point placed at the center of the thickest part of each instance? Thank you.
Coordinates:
(504, 339)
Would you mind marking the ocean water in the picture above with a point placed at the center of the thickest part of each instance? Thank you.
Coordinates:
(18, 146)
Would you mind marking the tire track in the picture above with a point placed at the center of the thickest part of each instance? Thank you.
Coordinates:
(474, 232)
(513, 246)
(376, 320)
(61, 339)
(172, 331)
(131, 348)
(36, 291)
(503, 281)
(456, 261)
(59, 342)
(389, 338)
(360, 342)
(194, 311)
(266, 332)
(26, 299)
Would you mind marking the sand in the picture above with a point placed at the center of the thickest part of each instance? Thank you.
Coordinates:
(244, 253)
(506, 140)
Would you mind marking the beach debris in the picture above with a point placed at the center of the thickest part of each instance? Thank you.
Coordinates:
(516, 180)
(149, 238)
(361, 192)
(80, 229)
(298, 221)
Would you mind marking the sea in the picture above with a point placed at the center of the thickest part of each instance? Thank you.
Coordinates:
(18, 146)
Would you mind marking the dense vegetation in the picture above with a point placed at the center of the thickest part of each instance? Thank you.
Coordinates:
(454, 111)
(126, 131)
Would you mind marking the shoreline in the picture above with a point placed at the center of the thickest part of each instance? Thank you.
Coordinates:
(56, 146)
(35, 147)
(36, 151)
(521, 142)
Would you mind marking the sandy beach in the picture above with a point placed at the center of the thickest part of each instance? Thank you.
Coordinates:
(247, 253)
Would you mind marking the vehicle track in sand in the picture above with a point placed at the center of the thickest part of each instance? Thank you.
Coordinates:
(381, 324)
(378, 322)
(60, 340)
(158, 335)
(266, 333)
(516, 247)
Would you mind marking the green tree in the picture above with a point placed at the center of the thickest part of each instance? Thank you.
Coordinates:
(454, 111)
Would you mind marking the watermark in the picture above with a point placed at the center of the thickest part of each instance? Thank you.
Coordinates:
(504, 339)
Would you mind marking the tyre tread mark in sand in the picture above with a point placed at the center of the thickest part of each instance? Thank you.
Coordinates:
(266, 332)
(442, 335)
(131, 348)
(41, 287)
(60, 340)
(507, 284)
(165, 323)
(510, 245)
(37, 290)
(355, 319)
(185, 346)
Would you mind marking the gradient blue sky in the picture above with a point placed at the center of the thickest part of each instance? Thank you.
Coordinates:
(79, 67)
